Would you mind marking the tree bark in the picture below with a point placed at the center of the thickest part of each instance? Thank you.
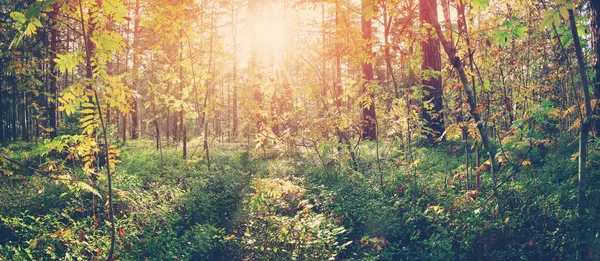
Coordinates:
(323, 59)
(15, 132)
(234, 128)
(595, 35)
(53, 73)
(338, 62)
(135, 133)
(368, 117)
(583, 134)
(450, 50)
(2, 75)
(124, 127)
(432, 61)
(182, 111)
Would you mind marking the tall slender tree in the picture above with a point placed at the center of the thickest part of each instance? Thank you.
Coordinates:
(135, 132)
(583, 132)
(234, 90)
(595, 35)
(368, 117)
(52, 99)
(432, 66)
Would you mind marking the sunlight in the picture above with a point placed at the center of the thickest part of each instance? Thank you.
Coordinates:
(269, 27)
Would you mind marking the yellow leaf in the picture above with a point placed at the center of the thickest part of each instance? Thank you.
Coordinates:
(87, 111)
(526, 163)
(575, 156)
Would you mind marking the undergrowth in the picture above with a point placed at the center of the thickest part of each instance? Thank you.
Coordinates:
(270, 206)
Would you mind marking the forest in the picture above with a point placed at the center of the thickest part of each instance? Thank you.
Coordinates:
(299, 130)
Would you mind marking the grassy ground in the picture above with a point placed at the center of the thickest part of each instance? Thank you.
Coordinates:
(296, 204)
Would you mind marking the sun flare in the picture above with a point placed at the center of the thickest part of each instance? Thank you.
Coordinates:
(267, 30)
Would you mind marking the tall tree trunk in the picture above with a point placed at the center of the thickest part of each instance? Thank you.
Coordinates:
(53, 73)
(368, 117)
(2, 75)
(323, 60)
(135, 133)
(124, 127)
(389, 70)
(583, 134)
(432, 62)
(88, 32)
(167, 127)
(450, 50)
(14, 131)
(252, 67)
(338, 61)
(595, 33)
(23, 118)
(234, 129)
(182, 111)
(208, 93)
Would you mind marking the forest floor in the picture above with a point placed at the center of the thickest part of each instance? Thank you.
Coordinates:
(293, 203)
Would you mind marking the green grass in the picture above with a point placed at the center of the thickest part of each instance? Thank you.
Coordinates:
(179, 210)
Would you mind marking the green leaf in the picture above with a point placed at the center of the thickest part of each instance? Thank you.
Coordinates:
(480, 4)
(563, 12)
(548, 18)
(18, 16)
(519, 31)
(86, 187)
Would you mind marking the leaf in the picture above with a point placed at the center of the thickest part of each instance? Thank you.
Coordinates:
(548, 17)
(30, 29)
(526, 163)
(480, 4)
(88, 105)
(87, 111)
(519, 31)
(563, 12)
(67, 62)
(86, 187)
(18, 16)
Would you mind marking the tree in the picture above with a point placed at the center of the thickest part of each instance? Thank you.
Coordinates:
(234, 89)
(52, 99)
(456, 63)
(432, 66)
(583, 131)
(368, 116)
(595, 39)
(135, 132)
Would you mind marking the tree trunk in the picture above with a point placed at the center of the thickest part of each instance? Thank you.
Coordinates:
(15, 132)
(432, 62)
(124, 130)
(2, 137)
(135, 133)
(387, 24)
(595, 33)
(234, 129)
(338, 62)
(181, 112)
(53, 72)
(23, 118)
(368, 117)
(323, 61)
(583, 135)
(450, 50)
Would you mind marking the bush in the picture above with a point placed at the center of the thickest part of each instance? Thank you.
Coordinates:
(281, 225)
